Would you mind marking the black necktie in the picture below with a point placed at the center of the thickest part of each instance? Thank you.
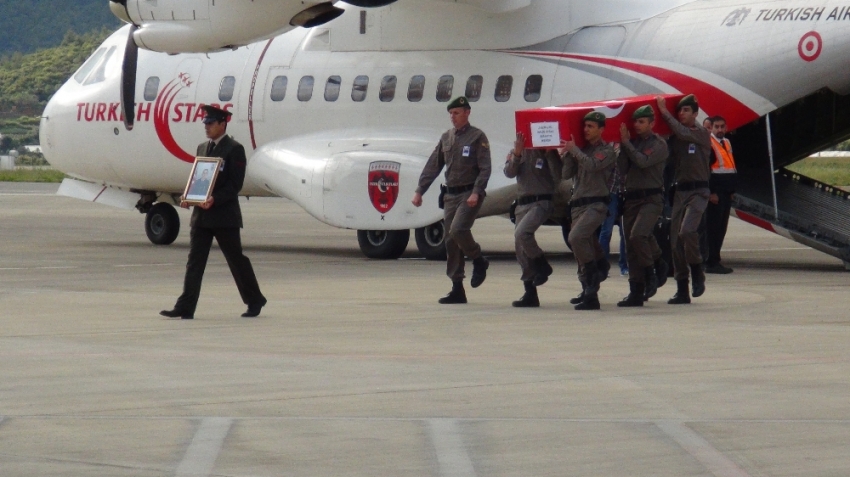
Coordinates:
(210, 148)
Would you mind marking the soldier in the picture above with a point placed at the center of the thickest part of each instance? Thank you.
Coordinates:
(219, 217)
(534, 170)
(642, 161)
(465, 152)
(690, 155)
(590, 168)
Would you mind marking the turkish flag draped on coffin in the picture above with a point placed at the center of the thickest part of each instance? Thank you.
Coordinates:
(544, 127)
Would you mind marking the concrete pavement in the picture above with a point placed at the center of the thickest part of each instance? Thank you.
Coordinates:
(353, 369)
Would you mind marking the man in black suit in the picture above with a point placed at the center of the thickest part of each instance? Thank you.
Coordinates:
(219, 217)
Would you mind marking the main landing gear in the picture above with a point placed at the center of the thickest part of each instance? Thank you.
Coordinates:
(390, 244)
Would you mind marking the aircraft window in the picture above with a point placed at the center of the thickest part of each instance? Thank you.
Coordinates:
(445, 87)
(305, 88)
(225, 91)
(417, 89)
(332, 88)
(533, 85)
(361, 86)
(99, 73)
(473, 88)
(279, 84)
(388, 85)
(503, 88)
(151, 88)
(89, 65)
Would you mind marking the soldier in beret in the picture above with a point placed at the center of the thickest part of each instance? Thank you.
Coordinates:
(465, 153)
(690, 156)
(642, 161)
(590, 168)
(221, 218)
(535, 171)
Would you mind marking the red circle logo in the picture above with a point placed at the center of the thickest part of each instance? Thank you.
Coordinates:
(810, 46)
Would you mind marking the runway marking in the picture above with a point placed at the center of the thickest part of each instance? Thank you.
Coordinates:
(205, 446)
(451, 453)
(39, 268)
(28, 194)
(702, 450)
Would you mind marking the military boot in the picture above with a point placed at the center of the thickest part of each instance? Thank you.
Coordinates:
(651, 283)
(591, 278)
(681, 297)
(479, 271)
(456, 296)
(698, 278)
(603, 266)
(661, 271)
(635, 298)
(580, 297)
(542, 270)
(530, 299)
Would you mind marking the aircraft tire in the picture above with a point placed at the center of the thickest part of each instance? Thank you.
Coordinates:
(383, 244)
(162, 224)
(431, 241)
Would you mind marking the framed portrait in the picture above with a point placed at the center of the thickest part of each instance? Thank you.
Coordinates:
(202, 179)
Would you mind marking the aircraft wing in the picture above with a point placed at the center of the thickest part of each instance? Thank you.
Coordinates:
(355, 179)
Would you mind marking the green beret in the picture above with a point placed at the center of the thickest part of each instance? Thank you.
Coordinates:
(460, 102)
(644, 112)
(689, 100)
(596, 117)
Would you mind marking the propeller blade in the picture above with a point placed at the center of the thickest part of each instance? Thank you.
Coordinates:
(128, 80)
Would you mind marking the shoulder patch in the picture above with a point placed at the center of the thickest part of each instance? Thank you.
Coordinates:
(485, 145)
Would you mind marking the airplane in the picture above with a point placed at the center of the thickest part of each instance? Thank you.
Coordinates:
(339, 104)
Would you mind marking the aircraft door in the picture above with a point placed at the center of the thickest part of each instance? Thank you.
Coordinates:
(579, 80)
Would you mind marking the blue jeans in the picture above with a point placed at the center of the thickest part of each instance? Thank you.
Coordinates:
(608, 228)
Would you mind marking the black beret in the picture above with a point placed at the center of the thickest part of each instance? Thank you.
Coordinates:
(460, 102)
(214, 114)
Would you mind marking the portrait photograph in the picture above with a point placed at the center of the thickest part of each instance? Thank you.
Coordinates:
(201, 180)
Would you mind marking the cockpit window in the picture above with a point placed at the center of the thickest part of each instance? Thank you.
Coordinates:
(99, 73)
(151, 88)
(89, 65)
(225, 91)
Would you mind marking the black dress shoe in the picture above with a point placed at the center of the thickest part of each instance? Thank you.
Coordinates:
(175, 313)
(253, 311)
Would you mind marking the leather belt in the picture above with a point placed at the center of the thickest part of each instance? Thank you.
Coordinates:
(686, 186)
(460, 189)
(642, 193)
(530, 199)
(590, 200)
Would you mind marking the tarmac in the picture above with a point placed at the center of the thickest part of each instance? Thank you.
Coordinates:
(353, 369)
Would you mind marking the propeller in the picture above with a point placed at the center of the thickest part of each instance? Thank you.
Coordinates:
(128, 80)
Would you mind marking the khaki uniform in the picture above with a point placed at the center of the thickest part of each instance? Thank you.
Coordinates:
(534, 176)
(590, 168)
(642, 161)
(690, 153)
(465, 153)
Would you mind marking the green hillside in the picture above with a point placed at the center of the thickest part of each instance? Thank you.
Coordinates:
(30, 25)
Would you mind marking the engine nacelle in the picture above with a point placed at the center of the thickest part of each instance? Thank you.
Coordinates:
(201, 26)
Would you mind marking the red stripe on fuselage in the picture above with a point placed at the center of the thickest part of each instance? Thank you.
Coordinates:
(710, 97)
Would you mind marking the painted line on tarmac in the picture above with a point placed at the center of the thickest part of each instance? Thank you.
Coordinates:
(702, 450)
(451, 453)
(205, 446)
